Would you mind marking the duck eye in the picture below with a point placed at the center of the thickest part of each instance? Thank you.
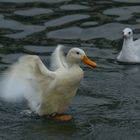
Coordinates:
(77, 53)
(129, 33)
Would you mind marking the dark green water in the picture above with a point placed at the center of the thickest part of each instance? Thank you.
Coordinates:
(107, 105)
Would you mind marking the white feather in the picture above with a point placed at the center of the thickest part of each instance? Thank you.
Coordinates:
(20, 81)
(58, 59)
(137, 42)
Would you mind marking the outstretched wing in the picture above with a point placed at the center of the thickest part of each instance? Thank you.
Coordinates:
(58, 59)
(22, 81)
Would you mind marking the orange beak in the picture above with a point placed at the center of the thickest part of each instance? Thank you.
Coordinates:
(87, 61)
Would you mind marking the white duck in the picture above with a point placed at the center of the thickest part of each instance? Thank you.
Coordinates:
(47, 92)
(130, 52)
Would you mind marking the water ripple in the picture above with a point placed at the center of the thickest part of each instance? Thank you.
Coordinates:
(66, 19)
(21, 29)
(33, 12)
(107, 103)
(127, 1)
(104, 31)
(38, 49)
(74, 7)
(124, 13)
(29, 1)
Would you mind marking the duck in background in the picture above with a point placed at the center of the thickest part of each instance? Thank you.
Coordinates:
(47, 92)
(130, 52)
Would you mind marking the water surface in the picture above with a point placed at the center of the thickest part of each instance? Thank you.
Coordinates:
(107, 105)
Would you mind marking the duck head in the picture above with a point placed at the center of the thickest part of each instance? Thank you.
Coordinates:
(76, 56)
(127, 33)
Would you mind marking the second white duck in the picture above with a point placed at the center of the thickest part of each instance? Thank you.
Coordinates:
(130, 52)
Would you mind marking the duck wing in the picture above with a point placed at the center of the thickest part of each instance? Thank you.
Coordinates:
(58, 59)
(22, 80)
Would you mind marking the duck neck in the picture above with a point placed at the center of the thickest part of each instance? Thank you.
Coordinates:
(72, 63)
(127, 42)
(127, 45)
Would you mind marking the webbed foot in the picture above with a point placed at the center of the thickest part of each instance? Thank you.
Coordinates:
(62, 117)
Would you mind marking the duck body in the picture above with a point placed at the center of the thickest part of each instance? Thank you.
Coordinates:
(46, 91)
(130, 52)
(61, 91)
